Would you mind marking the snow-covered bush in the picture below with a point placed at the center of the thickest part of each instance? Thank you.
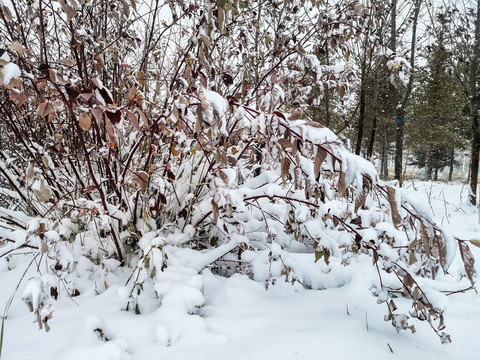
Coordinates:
(169, 160)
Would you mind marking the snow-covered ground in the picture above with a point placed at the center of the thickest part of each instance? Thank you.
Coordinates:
(241, 320)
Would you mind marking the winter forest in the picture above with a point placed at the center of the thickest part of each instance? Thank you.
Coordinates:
(243, 179)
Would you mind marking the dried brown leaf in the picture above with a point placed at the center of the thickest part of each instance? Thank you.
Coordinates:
(215, 212)
(333, 43)
(18, 97)
(295, 114)
(133, 120)
(52, 75)
(143, 116)
(342, 186)
(223, 176)
(44, 108)
(285, 167)
(295, 147)
(110, 131)
(132, 93)
(97, 114)
(30, 171)
(424, 234)
(396, 218)
(141, 177)
(412, 259)
(360, 201)
(44, 193)
(475, 243)
(201, 57)
(70, 11)
(314, 124)
(221, 18)
(468, 260)
(43, 247)
(7, 12)
(285, 143)
(141, 78)
(357, 9)
(17, 47)
(114, 116)
(206, 40)
(86, 95)
(319, 159)
(441, 246)
(85, 120)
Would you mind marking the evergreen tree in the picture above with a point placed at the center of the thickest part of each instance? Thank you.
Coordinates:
(438, 128)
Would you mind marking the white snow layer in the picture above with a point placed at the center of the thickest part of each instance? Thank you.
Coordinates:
(10, 71)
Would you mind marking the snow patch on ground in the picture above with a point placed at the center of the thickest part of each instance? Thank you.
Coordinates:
(204, 316)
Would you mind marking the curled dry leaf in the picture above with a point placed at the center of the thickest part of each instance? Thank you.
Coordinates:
(52, 75)
(396, 218)
(424, 234)
(69, 10)
(43, 194)
(143, 116)
(141, 177)
(441, 245)
(295, 114)
(86, 95)
(285, 143)
(44, 108)
(110, 131)
(18, 97)
(133, 120)
(314, 124)
(114, 116)
(132, 93)
(17, 47)
(285, 167)
(475, 243)
(30, 171)
(44, 247)
(97, 114)
(342, 186)
(201, 57)
(221, 18)
(468, 260)
(319, 159)
(223, 176)
(360, 201)
(141, 78)
(357, 9)
(85, 120)
(206, 40)
(215, 212)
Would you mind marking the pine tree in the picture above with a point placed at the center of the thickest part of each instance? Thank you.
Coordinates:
(438, 128)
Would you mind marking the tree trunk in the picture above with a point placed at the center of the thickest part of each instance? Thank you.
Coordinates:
(473, 89)
(428, 163)
(384, 160)
(361, 120)
(361, 116)
(372, 138)
(375, 120)
(452, 162)
(475, 149)
(400, 108)
(399, 147)
(326, 96)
